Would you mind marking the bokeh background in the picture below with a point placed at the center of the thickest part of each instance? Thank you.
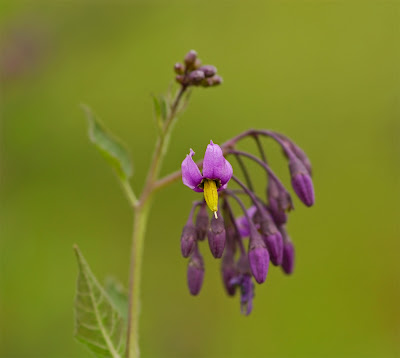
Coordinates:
(326, 73)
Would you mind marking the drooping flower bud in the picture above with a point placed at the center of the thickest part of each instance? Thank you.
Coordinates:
(217, 236)
(190, 58)
(301, 181)
(288, 252)
(208, 70)
(288, 257)
(274, 245)
(228, 271)
(188, 239)
(275, 203)
(266, 222)
(258, 257)
(297, 151)
(195, 273)
(202, 223)
(179, 68)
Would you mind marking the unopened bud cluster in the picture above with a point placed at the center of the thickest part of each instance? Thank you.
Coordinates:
(243, 262)
(192, 73)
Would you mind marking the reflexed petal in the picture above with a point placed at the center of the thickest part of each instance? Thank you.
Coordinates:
(191, 175)
(215, 166)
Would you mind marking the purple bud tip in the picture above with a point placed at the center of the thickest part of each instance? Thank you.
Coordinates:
(196, 77)
(259, 262)
(190, 58)
(208, 70)
(303, 186)
(217, 236)
(274, 245)
(195, 274)
(178, 68)
(188, 240)
(217, 80)
(288, 257)
(217, 243)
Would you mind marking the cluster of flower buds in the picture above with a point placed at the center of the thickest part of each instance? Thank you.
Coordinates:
(193, 73)
(263, 222)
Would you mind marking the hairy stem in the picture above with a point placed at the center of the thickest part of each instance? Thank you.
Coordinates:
(139, 229)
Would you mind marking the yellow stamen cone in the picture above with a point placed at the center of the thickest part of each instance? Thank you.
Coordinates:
(211, 195)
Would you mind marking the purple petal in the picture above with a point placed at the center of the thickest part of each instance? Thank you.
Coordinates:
(215, 166)
(191, 175)
(243, 224)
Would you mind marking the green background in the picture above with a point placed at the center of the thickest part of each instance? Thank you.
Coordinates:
(325, 73)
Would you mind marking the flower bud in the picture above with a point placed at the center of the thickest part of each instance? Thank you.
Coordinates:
(274, 245)
(188, 239)
(195, 273)
(208, 70)
(216, 80)
(301, 181)
(228, 272)
(267, 224)
(196, 77)
(179, 68)
(190, 58)
(217, 236)
(274, 203)
(202, 223)
(288, 257)
(258, 258)
(197, 64)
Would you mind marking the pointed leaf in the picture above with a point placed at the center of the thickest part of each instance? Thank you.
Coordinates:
(98, 323)
(109, 146)
(118, 295)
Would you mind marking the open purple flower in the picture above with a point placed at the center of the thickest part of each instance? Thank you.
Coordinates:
(217, 172)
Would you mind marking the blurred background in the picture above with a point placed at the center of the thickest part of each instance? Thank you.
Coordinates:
(325, 73)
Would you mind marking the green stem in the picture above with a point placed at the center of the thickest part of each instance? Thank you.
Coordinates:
(139, 229)
(141, 211)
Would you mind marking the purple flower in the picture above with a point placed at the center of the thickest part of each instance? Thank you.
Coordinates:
(217, 172)
(246, 292)
(264, 221)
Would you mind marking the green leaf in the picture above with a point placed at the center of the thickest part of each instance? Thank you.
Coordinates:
(98, 324)
(118, 295)
(109, 146)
